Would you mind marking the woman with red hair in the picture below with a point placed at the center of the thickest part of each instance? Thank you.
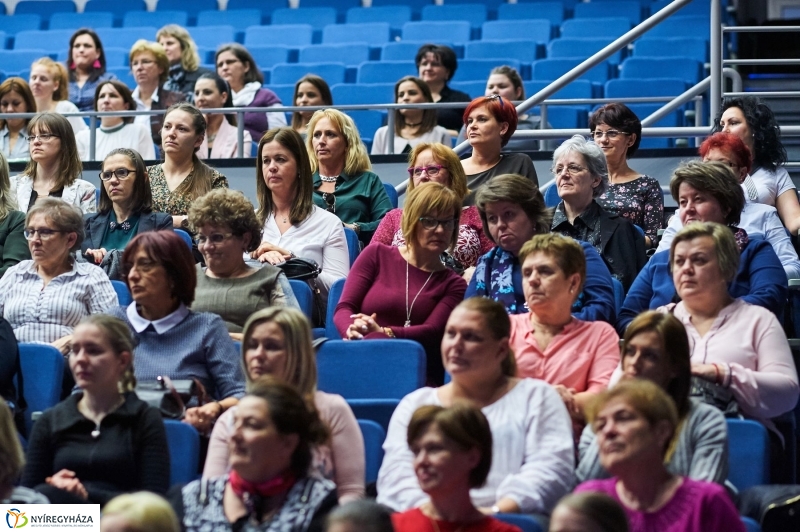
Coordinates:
(490, 121)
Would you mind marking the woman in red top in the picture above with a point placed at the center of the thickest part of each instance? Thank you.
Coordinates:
(452, 453)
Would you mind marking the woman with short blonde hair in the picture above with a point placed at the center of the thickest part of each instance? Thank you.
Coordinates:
(49, 86)
(184, 61)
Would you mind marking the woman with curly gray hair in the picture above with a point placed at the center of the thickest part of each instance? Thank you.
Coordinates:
(581, 174)
(226, 227)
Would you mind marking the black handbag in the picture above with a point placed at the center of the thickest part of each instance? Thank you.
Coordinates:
(300, 269)
(715, 395)
(171, 396)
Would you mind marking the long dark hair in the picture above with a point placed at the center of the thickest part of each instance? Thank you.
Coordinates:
(142, 196)
(769, 151)
(222, 87)
(96, 71)
(303, 201)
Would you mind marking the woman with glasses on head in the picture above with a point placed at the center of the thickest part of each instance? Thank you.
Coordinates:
(55, 167)
(126, 209)
(15, 97)
(222, 138)
(636, 197)
(411, 126)
(48, 83)
(376, 303)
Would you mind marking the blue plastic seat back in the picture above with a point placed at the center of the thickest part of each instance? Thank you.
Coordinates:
(372, 33)
(15, 62)
(123, 293)
(475, 14)
(44, 8)
(238, 18)
(213, 36)
(473, 88)
(304, 296)
(452, 30)
(185, 237)
(579, 88)
(619, 294)
(183, 442)
(66, 21)
(551, 197)
(595, 27)
(351, 54)
(405, 50)
(525, 523)
(381, 71)
(114, 6)
(691, 26)
(125, 75)
(194, 6)
(415, 5)
(38, 39)
(267, 56)
(521, 50)
(552, 11)
(353, 244)
(286, 35)
(392, 193)
(362, 93)
(334, 294)
(619, 8)
(378, 410)
(291, 72)
(154, 18)
(396, 16)
(550, 69)
(696, 49)
(124, 37)
(373, 435)
(750, 525)
(748, 453)
(42, 372)
(583, 48)
(539, 30)
(685, 68)
(354, 369)
(479, 69)
(628, 88)
(367, 122)
(318, 17)
(674, 119)
(17, 23)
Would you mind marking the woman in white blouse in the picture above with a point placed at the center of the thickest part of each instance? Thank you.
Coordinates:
(293, 225)
(49, 84)
(532, 455)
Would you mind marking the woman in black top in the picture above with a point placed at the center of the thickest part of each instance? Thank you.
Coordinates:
(437, 65)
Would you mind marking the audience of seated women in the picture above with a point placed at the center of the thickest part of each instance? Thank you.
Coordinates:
(577, 357)
(635, 422)
(239, 69)
(452, 450)
(706, 192)
(13, 246)
(173, 341)
(581, 176)
(436, 65)
(269, 486)
(184, 61)
(512, 211)
(222, 136)
(344, 183)
(102, 440)
(115, 131)
(15, 97)
(48, 84)
(182, 177)
(490, 122)
(277, 342)
(293, 225)
(12, 456)
(44, 298)
(411, 126)
(126, 209)
(440, 164)
(226, 227)
(630, 194)
(55, 168)
(588, 512)
(375, 303)
(87, 67)
(309, 90)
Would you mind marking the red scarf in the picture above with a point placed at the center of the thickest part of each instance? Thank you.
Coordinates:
(269, 488)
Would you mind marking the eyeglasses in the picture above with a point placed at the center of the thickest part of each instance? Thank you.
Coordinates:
(143, 62)
(572, 168)
(142, 266)
(496, 97)
(330, 201)
(119, 173)
(44, 137)
(215, 238)
(611, 134)
(432, 223)
(432, 170)
(44, 233)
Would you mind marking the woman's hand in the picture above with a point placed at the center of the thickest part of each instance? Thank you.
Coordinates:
(96, 255)
(271, 253)
(203, 417)
(709, 372)
(236, 337)
(362, 325)
(468, 273)
(568, 396)
(67, 481)
(63, 344)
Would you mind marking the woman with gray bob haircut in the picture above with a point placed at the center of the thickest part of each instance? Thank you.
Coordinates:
(581, 174)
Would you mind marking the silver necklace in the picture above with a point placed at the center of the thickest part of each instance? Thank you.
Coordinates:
(328, 179)
(409, 309)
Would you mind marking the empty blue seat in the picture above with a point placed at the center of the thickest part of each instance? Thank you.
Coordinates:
(115, 57)
(378, 410)
(552, 11)
(473, 88)
(125, 37)
(213, 36)
(353, 244)
(583, 48)
(42, 368)
(524, 51)
(44, 8)
(350, 54)
(697, 49)
(479, 69)
(37, 39)
(374, 33)
(117, 8)
(124, 75)
(247, 4)
(550, 69)
(154, 18)
(285, 92)
(748, 453)
(362, 93)
(683, 68)
(123, 293)
(287, 35)
(14, 62)
(384, 71)
(405, 50)
(618, 8)
(697, 7)
(567, 116)
(392, 193)
(579, 88)
(582, 28)
(195, 6)
(415, 5)
(334, 294)
(66, 21)
(318, 17)
(475, 14)
(674, 119)
(396, 16)
(692, 26)
(538, 30)
(551, 197)
(631, 88)
(268, 56)
(238, 18)
(305, 298)
(183, 442)
(373, 435)
(11, 25)
(367, 123)
(453, 30)
(290, 73)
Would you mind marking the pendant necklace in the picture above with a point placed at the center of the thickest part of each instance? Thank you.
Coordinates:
(409, 309)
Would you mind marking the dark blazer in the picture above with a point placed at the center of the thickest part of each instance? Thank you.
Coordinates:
(95, 224)
(166, 99)
(622, 248)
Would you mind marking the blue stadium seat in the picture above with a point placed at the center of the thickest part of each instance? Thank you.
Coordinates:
(538, 30)
(117, 8)
(697, 7)
(525, 523)
(14, 62)
(552, 11)
(454, 31)
(285, 92)
(305, 298)
(683, 68)
(378, 410)
(287, 35)
(524, 51)
(396, 16)
(247, 4)
(353, 244)
(37, 39)
(125, 37)
(340, 4)
(186, 237)
(550, 69)
(194, 6)
(405, 50)
(551, 197)
(691, 26)
(154, 18)
(67, 21)
(567, 116)
(696, 49)
(318, 17)
(631, 88)
(373, 435)
(415, 5)
(619, 8)
(213, 36)
(334, 294)
(619, 294)
(750, 525)
(290, 73)
(384, 71)
(643, 110)
(362, 93)
(44, 8)
(266, 57)
(13, 24)
(125, 76)
(582, 28)
(367, 123)
(579, 88)
(238, 18)
(473, 88)
(748, 453)
(479, 69)
(123, 293)
(582, 48)
(392, 193)
(42, 372)
(373, 33)
(475, 14)
(183, 442)
(115, 57)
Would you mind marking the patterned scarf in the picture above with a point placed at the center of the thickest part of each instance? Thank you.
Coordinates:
(500, 280)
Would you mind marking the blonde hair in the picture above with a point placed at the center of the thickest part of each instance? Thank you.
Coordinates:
(724, 245)
(143, 512)
(445, 156)
(8, 201)
(566, 251)
(424, 200)
(119, 337)
(357, 160)
(190, 60)
(143, 46)
(12, 459)
(59, 74)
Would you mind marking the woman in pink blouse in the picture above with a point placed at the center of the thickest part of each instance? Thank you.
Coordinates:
(577, 357)
(438, 163)
(277, 342)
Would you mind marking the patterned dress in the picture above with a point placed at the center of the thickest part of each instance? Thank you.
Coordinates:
(169, 202)
(640, 201)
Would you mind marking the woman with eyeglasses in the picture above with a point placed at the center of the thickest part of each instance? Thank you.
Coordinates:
(55, 167)
(344, 183)
(226, 228)
(406, 291)
(126, 209)
(15, 97)
(434, 162)
(634, 196)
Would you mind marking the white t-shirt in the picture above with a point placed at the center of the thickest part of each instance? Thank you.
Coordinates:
(764, 186)
(132, 136)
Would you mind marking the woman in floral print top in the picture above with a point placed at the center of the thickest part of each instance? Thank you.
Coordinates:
(617, 130)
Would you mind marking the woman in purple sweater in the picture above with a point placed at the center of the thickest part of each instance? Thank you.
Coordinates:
(406, 291)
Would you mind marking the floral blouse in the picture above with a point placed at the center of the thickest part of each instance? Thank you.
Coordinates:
(640, 201)
(170, 203)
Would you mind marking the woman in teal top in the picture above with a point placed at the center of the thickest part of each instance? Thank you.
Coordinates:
(343, 182)
(125, 210)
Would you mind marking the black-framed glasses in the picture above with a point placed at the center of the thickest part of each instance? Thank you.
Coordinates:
(611, 134)
(432, 223)
(44, 233)
(330, 200)
(43, 137)
(572, 168)
(119, 173)
(214, 238)
(432, 170)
